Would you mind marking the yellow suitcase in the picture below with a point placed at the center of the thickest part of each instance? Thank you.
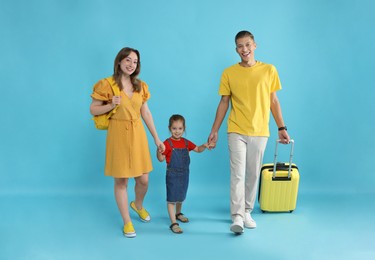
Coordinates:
(278, 184)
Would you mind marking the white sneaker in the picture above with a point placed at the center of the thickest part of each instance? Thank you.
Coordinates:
(237, 226)
(249, 221)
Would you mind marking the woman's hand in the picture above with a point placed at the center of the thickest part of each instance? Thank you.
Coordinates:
(160, 145)
(99, 107)
(116, 100)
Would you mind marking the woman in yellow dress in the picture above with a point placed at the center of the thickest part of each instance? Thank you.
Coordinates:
(127, 150)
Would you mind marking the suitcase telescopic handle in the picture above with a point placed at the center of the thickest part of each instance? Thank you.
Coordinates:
(291, 142)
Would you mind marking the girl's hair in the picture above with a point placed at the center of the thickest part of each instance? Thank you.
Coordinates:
(117, 72)
(175, 118)
(242, 34)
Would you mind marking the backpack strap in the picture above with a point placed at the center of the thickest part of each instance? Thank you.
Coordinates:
(116, 92)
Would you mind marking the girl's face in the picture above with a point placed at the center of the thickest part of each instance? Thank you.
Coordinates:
(129, 64)
(177, 129)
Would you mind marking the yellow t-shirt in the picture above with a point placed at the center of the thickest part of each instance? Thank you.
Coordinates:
(249, 89)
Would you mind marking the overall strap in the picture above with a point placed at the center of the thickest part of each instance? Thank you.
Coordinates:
(186, 143)
(170, 142)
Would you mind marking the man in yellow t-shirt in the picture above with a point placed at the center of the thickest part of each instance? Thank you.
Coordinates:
(250, 86)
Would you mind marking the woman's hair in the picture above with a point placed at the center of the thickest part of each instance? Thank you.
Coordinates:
(117, 72)
(242, 34)
(175, 118)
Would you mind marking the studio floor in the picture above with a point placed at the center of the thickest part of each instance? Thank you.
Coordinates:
(88, 226)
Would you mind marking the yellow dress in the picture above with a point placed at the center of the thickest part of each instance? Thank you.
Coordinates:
(127, 150)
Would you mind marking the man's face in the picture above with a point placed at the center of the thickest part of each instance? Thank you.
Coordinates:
(245, 47)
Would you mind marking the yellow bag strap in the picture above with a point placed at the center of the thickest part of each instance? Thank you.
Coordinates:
(116, 92)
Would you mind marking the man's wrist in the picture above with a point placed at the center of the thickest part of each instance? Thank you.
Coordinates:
(283, 128)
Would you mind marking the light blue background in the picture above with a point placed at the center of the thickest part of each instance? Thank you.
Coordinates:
(52, 52)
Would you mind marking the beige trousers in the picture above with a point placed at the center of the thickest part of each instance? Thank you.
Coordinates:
(246, 156)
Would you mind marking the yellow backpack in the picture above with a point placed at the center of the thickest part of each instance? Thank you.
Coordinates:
(102, 121)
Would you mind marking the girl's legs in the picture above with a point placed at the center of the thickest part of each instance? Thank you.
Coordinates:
(172, 216)
(179, 215)
(178, 207)
(171, 212)
(141, 186)
(121, 195)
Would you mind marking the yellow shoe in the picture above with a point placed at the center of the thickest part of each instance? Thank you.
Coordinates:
(142, 213)
(129, 230)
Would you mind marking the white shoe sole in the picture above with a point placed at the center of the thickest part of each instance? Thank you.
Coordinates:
(130, 235)
(146, 219)
(237, 229)
(249, 222)
(252, 226)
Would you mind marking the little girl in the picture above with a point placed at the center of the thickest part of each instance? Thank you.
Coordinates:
(176, 154)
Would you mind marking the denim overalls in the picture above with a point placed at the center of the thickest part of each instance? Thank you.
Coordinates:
(177, 178)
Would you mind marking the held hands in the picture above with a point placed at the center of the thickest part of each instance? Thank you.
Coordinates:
(202, 147)
(160, 145)
(205, 146)
(210, 146)
(212, 140)
(159, 151)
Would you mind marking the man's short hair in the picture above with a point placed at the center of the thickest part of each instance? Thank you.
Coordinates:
(242, 34)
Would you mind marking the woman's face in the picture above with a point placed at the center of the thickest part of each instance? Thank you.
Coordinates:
(129, 64)
(177, 129)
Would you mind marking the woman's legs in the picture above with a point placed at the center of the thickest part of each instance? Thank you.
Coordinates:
(121, 195)
(141, 186)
